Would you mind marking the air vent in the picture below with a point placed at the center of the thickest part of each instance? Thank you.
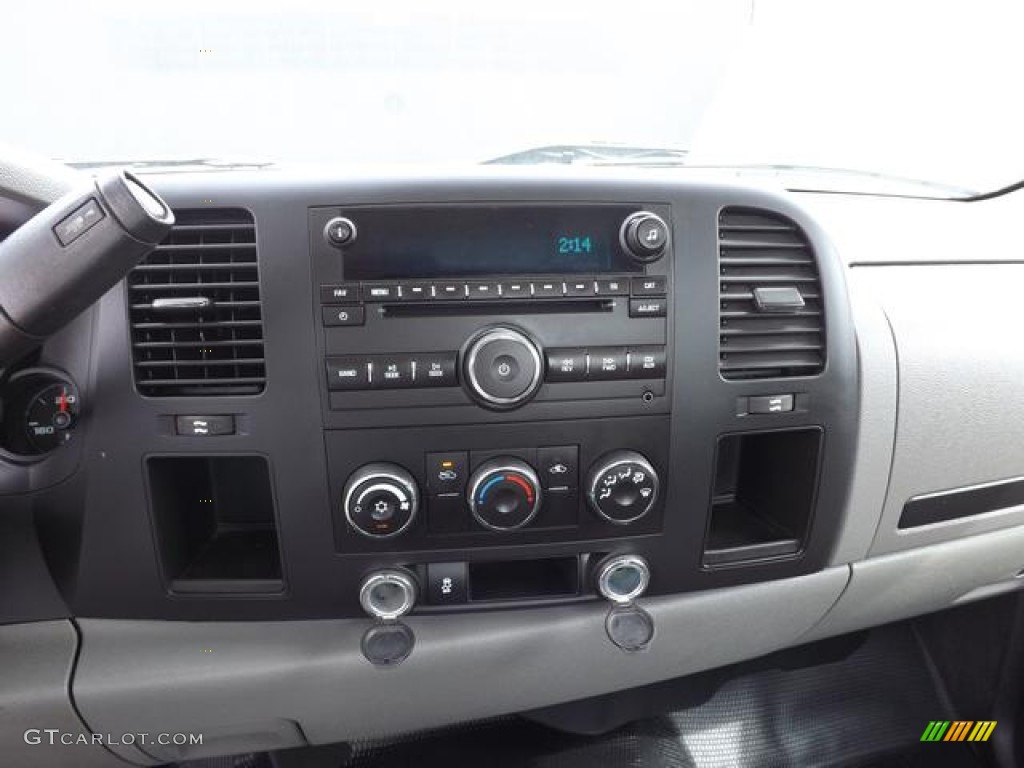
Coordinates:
(195, 313)
(771, 319)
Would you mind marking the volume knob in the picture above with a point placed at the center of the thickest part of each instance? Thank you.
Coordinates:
(380, 500)
(503, 367)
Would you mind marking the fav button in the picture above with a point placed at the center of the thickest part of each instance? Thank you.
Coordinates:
(338, 294)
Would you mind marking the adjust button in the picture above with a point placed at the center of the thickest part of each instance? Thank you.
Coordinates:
(567, 364)
(648, 307)
(344, 373)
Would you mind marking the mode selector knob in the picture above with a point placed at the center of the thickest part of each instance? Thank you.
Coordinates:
(503, 367)
(622, 487)
(644, 236)
(380, 500)
(504, 494)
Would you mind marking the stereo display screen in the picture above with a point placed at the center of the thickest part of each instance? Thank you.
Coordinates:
(459, 241)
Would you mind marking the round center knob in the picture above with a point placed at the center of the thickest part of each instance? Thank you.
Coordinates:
(504, 494)
(503, 368)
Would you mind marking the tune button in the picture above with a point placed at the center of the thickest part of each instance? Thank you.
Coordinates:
(644, 236)
(622, 487)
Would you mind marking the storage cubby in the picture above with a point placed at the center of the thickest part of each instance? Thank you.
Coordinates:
(215, 524)
(765, 485)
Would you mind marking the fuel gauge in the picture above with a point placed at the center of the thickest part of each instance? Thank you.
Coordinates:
(51, 415)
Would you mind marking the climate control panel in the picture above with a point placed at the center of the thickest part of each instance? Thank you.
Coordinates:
(443, 488)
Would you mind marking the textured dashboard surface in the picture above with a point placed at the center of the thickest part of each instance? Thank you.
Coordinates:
(961, 416)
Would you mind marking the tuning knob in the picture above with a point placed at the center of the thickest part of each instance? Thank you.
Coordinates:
(644, 236)
(380, 500)
(503, 367)
(504, 494)
(622, 487)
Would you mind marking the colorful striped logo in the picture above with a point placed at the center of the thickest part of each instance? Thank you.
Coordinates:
(958, 730)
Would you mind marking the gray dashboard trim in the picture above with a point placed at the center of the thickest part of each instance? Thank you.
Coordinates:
(877, 364)
(142, 675)
(904, 584)
(36, 660)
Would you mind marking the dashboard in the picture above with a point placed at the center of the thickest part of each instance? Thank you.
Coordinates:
(569, 433)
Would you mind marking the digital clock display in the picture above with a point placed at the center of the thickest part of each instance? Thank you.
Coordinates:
(399, 242)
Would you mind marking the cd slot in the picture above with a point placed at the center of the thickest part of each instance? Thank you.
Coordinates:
(499, 307)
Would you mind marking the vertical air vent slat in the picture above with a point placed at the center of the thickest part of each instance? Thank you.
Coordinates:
(197, 324)
(759, 249)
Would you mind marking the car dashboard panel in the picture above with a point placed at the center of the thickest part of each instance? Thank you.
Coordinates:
(496, 411)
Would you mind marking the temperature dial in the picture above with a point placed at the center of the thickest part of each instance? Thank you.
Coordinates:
(50, 416)
(504, 494)
(622, 487)
(40, 410)
(381, 500)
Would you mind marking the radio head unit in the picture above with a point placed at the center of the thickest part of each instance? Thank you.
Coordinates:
(389, 243)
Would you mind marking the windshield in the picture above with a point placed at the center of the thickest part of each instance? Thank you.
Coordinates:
(920, 91)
